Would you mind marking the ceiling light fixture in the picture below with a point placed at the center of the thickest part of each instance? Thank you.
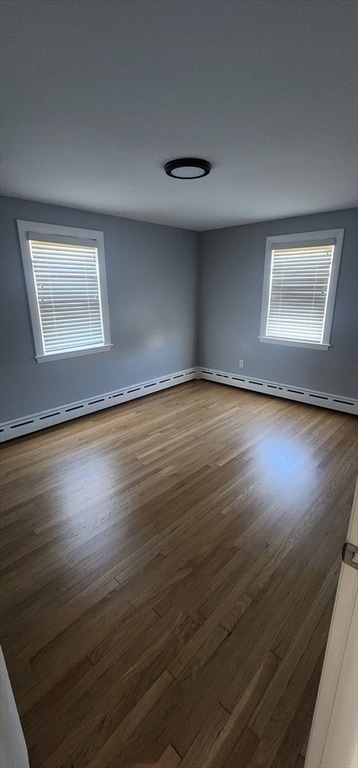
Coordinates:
(187, 168)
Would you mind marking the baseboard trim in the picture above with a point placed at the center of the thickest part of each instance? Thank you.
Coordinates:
(53, 416)
(37, 421)
(322, 399)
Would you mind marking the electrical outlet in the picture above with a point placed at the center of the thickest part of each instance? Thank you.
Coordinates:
(241, 363)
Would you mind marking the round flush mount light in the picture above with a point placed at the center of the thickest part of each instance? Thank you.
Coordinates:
(187, 168)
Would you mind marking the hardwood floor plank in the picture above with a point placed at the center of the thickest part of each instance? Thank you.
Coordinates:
(100, 615)
(102, 731)
(209, 733)
(224, 745)
(282, 715)
(291, 748)
(243, 750)
(209, 636)
(68, 612)
(293, 656)
(168, 569)
(182, 668)
(169, 758)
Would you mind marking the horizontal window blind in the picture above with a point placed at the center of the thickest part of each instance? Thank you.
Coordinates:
(299, 287)
(68, 294)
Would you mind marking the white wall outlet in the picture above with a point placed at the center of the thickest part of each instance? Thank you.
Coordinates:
(241, 363)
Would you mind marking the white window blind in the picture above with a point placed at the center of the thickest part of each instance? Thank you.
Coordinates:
(299, 288)
(68, 295)
(66, 285)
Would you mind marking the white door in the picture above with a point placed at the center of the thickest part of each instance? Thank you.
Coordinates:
(333, 740)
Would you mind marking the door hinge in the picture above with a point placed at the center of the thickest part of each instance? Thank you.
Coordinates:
(350, 554)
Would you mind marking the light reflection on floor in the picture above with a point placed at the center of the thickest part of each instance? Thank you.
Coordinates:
(286, 456)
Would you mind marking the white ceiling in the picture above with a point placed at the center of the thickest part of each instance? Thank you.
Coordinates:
(98, 95)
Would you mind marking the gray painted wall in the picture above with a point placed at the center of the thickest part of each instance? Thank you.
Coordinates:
(160, 310)
(152, 285)
(231, 279)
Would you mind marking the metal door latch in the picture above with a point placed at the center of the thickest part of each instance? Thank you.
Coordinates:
(350, 554)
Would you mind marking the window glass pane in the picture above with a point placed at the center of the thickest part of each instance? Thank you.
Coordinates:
(68, 294)
(298, 293)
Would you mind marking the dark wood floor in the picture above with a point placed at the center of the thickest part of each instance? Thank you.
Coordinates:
(168, 574)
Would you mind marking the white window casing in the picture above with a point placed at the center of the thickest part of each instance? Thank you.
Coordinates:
(67, 291)
(300, 283)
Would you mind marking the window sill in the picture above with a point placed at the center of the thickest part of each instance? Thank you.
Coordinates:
(291, 343)
(73, 353)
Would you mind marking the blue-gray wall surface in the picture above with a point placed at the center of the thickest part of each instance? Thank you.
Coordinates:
(152, 284)
(231, 281)
(159, 309)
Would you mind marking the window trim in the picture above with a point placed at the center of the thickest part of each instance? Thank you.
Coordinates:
(306, 238)
(73, 233)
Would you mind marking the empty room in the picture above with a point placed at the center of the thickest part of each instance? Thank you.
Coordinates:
(179, 384)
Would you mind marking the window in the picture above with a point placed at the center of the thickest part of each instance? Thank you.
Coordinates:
(66, 285)
(300, 281)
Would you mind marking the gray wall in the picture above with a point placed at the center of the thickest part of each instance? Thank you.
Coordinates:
(151, 275)
(159, 309)
(231, 279)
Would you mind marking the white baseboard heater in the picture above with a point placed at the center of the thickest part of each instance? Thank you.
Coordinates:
(53, 416)
(323, 399)
(36, 421)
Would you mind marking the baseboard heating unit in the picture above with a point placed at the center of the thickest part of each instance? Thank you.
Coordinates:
(49, 418)
(334, 402)
(53, 416)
